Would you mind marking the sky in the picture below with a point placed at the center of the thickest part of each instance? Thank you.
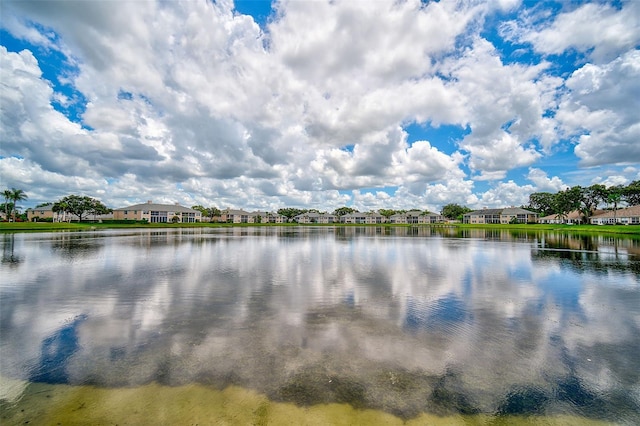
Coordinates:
(317, 104)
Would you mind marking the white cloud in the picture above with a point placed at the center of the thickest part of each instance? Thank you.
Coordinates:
(602, 103)
(602, 30)
(543, 183)
(507, 194)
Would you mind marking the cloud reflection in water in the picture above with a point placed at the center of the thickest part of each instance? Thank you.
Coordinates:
(402, 319)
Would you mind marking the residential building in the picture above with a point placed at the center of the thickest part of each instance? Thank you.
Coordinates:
(355, 217)
(237, 216)
(313, 217)
(433, 218)
(497, 216)
(574, 217)
(368, 218)
(158, 213)
(417, 217)
(628, 216)
(46, 212)
(275, 218)
(42, 213)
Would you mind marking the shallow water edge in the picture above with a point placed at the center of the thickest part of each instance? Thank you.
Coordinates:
(46, 404)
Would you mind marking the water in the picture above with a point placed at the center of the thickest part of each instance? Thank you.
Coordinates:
(319, 325)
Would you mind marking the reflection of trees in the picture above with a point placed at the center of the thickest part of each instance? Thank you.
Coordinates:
(8, 250)
(72, 245)
(596, 253)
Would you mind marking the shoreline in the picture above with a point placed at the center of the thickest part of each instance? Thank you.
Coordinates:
(6, 227)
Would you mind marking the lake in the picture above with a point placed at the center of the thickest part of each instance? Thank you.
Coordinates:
(319, 325)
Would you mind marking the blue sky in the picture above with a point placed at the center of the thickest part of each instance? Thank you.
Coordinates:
(318, 104)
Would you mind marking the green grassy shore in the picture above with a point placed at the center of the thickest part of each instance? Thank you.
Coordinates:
(88, 226)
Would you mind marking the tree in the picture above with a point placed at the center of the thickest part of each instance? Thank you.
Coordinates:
(209, 212)
(614, 196)
(542, 202)
(454, 211)
(97, 208)
(290, 212)
(6, 208)
(387, 212)
(592, 196)
(14, 195)
(7, 196)
(60, 207)
(79, 205)
(631, 193)
(567, 201)
(341, 211)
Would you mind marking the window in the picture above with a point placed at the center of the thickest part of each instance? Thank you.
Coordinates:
(158, 217)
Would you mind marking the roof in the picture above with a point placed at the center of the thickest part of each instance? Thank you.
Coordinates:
(159, 207)
(45, 207)
(576, 214)
(234, 212)
(507, 211)
(314, 214)
(628, 212)
(484, 212)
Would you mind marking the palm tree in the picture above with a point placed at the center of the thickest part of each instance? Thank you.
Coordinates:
(60, 208)
(614, 197)
(7, 196)
(17, 195)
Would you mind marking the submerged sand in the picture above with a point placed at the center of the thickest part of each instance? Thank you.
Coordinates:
(154, 404)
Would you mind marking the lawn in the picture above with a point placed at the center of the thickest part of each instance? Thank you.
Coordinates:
(49, 226)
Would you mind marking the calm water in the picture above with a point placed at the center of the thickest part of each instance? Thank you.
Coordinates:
(403, 321)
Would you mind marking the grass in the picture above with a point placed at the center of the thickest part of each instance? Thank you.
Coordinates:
(49, 226)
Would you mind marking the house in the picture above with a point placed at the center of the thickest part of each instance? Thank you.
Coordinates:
(45, 212)
(237, 216)
(628, 216)
(313, 217)
(504, 215)
(369, 218)
(158, 213)
(574, 217)
(41, 213)
(355, 217)
(433, 218)
(275, 218)
(416, 217)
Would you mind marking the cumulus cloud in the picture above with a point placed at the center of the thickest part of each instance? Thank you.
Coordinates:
(543, 183)
(601, 30)
(602, 103)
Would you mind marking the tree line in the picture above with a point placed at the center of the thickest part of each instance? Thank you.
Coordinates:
(584, 199)
(451, 211)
